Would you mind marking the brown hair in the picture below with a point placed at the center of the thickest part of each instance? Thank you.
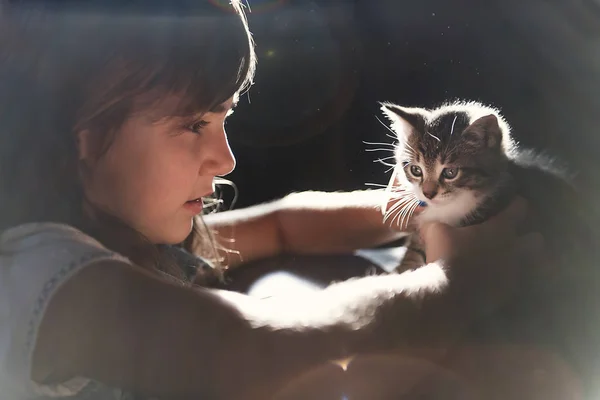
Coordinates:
(65, 69)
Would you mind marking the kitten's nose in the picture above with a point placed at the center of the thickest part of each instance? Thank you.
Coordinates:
(430, 194)
(430, 189)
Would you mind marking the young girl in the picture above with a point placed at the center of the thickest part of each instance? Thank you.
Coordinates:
(111, 134)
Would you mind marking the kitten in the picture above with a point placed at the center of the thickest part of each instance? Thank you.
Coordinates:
(460, 162)
(460, 159)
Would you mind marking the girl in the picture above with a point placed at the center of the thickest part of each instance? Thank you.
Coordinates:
(111, 136)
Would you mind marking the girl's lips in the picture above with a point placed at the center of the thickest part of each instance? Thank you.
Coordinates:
(194, 206)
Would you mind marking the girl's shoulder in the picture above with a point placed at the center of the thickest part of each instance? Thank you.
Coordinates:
(38, 257)
(30, 235)
(35, 260)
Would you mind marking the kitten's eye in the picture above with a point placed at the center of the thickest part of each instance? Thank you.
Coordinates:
(415, 170)
(197, 127)
(449, 173)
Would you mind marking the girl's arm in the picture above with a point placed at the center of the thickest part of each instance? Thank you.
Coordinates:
(304, 223)
(120, 325)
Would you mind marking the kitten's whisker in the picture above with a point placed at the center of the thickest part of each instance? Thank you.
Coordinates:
(453, 122)
(413, 209)
(398, 204)
(408, 146)
(387, 127)
(393, 213)
(396, 200)
(376, 185)
(408, 152)
(382, 161)
(400, 208)
(379, 143)
(451, 133)
(380, 149)
(387, 215)
(401, 218)
(396, 220)
(433, 136)
(386, 161)
(405, 212)
(398, 216)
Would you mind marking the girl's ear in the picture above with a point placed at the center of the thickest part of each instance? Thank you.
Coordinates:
(86, 153)
(85, 150)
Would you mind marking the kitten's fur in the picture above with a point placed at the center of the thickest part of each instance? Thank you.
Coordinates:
(555, 307)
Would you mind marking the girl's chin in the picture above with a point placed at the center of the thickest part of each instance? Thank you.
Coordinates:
(176, 234)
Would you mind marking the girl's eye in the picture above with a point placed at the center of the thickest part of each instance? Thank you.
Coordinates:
(416, 171)
(449, 173)
(196, 127)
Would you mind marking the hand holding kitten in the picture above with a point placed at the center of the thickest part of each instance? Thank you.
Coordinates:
(484, 262)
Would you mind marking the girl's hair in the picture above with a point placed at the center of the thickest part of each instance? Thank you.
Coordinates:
(65, 68)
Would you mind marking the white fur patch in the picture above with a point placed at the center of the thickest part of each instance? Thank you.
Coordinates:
(451, 211)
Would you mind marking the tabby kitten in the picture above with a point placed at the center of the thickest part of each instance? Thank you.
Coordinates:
(459, 162)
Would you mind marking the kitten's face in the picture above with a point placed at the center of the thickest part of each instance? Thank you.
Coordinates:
(447, 161)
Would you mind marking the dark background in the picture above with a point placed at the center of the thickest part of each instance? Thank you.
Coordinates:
(324, 65)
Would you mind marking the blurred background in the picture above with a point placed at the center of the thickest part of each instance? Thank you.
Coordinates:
(324, 65)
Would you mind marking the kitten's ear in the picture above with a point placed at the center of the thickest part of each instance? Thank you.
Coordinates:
(405, 120)
(485, 130)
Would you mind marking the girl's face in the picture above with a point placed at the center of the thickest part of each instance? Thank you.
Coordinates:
(154, 173)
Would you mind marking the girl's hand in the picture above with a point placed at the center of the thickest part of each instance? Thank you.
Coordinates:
(484, 262)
